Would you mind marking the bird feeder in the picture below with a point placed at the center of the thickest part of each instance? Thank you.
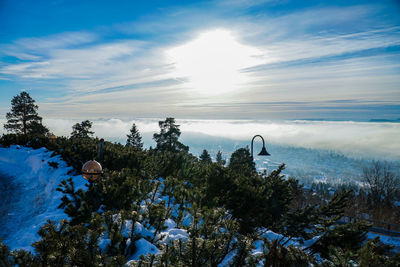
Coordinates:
(92, 170)
(52, 137)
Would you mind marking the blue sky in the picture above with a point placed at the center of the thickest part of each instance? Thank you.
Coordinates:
(203, 59)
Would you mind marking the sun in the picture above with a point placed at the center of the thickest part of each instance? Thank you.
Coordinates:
(212, 63)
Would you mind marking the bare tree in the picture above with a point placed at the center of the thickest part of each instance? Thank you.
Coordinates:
(382, 182)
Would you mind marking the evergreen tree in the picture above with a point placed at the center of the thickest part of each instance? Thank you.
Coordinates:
(82, 130)
(375, 253)
(219, 158)
(167, 139)
(205, 157)
(23, 118)
(6, 258)
(37, 128)
(242, 162)
(134, 138)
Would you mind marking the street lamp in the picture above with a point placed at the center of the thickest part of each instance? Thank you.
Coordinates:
(263, 151)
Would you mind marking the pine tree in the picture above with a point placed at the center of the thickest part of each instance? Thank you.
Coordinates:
(134, 138)
(219, 159)
(241, 161)
(376, 253)
(6, 258)
(167, 139)
(23, 118)
(37, 128)
(205, 157)
(82, 130)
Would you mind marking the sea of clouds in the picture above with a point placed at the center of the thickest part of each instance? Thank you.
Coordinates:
(358, 139)
(333, 151)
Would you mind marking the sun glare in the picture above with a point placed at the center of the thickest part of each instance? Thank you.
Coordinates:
(212, 63)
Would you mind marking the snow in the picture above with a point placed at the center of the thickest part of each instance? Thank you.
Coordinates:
(144, 247)
(174, 234)
(141, 230)
(36, 199)
(169, 223)
(388, 240)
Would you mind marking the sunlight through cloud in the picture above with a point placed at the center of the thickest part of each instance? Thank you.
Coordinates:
(213, 62)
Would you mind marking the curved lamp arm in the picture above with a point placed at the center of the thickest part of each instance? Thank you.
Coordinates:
(263, 150)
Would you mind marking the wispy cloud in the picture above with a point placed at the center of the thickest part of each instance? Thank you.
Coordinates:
(38, 48)
(310, 54)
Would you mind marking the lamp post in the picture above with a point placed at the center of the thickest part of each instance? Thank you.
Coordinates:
(263, 151)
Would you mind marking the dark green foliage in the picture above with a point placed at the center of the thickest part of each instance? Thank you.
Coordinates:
(242, 162)
(339, 257)
(375, 253)
(134, 138)
(219, 158)
(243, 252)
(23, 258)
(308, 221)
(212, 235)
(53, 164)
(82, 130)
(117, 244)
(23, 118)
(74, 202)
(7, 140)
(76, 151)
(347, 237)
(6, 259)
(205, 157)
(34, 141)
(37, 128)
(105, 193)
(255, 201)
(176, 164)
(167, 139)
(228, 208)
(61, 245)
(67, 245)
(275, 254)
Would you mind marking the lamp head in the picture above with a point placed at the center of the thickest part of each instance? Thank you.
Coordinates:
(264, 152)
(92, 170)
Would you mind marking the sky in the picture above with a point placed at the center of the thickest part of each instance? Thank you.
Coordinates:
(238, 59)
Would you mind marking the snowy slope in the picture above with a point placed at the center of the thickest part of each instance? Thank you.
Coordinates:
(34, 198)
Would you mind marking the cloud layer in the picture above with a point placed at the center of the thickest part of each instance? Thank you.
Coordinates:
(356, 139)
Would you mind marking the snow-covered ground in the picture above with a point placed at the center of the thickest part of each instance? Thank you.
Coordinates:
(32, 199)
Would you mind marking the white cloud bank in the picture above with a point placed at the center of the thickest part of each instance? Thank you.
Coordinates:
(358, 139)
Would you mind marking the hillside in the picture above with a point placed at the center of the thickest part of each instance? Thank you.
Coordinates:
(131, 212)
